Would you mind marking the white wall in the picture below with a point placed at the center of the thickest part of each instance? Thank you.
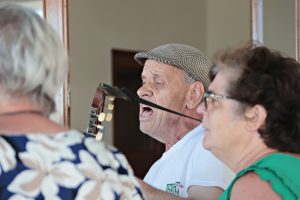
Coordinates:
(279, 25)
(98, 26)
(228, 22)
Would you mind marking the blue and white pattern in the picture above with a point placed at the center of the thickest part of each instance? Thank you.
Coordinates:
(63, 166)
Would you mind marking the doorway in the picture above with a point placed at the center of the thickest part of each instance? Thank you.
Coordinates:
(140, 149)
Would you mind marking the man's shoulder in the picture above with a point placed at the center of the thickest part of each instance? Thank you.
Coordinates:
(196, 135)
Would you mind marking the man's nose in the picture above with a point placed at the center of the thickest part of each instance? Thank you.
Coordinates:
(144, 90)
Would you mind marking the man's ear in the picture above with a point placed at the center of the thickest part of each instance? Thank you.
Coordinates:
(194, 95)
(256, 117)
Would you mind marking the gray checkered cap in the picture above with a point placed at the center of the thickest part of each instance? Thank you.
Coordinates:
(185, 57)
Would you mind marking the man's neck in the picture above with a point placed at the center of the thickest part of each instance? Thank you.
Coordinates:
(178, 135)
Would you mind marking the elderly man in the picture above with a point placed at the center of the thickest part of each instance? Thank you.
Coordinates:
(175, 76)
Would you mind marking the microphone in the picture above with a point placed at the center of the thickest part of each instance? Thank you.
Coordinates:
(127, 95)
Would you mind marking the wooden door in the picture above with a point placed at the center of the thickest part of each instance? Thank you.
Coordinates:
(140, 149)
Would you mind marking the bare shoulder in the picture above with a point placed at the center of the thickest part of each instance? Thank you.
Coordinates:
(250, 186)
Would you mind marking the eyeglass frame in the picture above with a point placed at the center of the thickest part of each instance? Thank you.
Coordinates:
(210, 94)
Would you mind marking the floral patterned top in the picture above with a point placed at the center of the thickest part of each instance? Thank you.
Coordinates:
(63, 166)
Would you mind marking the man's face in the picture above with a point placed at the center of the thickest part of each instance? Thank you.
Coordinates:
(164, 85)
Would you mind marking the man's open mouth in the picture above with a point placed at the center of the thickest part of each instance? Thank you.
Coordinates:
(145, 111)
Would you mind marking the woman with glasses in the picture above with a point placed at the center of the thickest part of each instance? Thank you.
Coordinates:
(252, 121)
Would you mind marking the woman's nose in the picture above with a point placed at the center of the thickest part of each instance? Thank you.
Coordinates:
(201, 108)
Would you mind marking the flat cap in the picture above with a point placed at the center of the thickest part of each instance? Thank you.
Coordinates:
(185, 57)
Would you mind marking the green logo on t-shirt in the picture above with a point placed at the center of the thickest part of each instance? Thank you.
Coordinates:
(173, 188)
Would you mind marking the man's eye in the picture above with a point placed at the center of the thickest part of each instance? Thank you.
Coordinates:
(158, 84)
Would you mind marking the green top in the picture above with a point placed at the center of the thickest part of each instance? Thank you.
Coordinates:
(282, 171)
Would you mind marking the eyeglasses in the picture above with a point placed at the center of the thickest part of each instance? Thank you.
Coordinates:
(209, 96)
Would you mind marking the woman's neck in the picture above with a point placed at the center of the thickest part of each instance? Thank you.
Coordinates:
(246, 159)
(20, 104)
(21, 112)
(22, 116)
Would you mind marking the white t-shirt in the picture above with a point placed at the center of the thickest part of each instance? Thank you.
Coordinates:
(186, 164)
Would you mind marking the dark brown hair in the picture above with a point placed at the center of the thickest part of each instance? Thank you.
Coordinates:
(268, 78)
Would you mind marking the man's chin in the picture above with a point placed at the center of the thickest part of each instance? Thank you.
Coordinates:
(150, 132)
(146, 130)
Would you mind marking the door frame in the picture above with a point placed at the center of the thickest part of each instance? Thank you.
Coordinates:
(256, 7)
(56, 14)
